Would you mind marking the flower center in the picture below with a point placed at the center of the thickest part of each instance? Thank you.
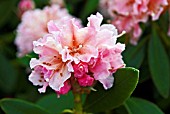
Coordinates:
(75, 49)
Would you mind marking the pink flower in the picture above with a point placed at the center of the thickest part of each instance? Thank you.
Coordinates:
(34, 25)
(155, 8)
(129, 13)
(82, 53)
(25, 5)
(128, 24)
(80, 69)
(48, 48)
(141, 9)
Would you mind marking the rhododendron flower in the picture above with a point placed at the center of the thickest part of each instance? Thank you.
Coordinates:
(155, 8)
(25, 5)
(129, 13)
(128, 24)
(72, 51)
(34, 25)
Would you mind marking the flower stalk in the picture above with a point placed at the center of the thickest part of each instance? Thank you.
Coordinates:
(78, 109)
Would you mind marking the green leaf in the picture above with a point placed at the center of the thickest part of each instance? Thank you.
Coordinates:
(159, 64)
(57, 105)
(41, 3)
(25, 60)
(16, 106)
(8, 77)
(125, 82)
(90, 7)
(134, 55)
(7, 6)
(141, 106)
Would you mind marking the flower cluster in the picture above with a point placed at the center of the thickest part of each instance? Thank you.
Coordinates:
(72, 52)
(128, 14)
(34, 25)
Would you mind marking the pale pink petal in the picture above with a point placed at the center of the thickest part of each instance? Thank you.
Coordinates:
(58, 78)
(136, 34)
(108, 82)
(95, 21)
(36, 78)
(100, 70)
(52, 27)
(43, 89)
(87, 52)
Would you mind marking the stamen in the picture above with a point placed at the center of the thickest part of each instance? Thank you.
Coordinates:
(121, 34)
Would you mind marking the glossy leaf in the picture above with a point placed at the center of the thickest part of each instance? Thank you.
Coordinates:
(57, 105)
(16, 106)
(159, 64)
(125, 82)
(134, 55)
(8, 77)
(141, 106)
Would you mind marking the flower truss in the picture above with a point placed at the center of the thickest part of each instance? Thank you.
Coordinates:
(71, 53)
(34, 25)
(129, 13)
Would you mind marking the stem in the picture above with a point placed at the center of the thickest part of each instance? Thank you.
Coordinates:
(76, 89)
(77, 103)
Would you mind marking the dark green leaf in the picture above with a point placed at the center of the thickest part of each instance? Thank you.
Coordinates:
(90, 7)
(121, 110)
(16, 106)
(125, 82)
(41, 3)
(26, 59)
(6, 8)
(8, 77)
(140, 106)
(159, 64)
(134, 55)
(57, 105)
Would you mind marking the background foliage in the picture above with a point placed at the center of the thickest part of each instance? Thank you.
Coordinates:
(151, 56)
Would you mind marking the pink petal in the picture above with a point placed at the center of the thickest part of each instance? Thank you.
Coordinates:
(107, 82)
(58, 78)
(95, 21)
